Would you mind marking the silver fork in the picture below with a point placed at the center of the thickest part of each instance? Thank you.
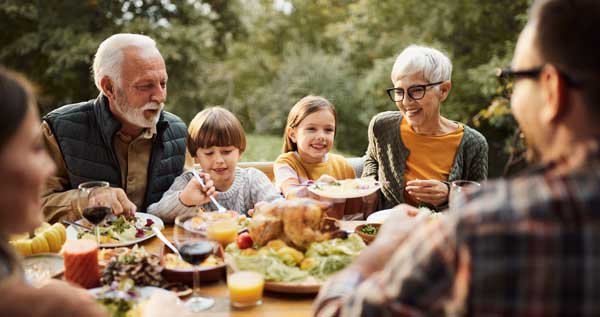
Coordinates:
(165, 240)
(219, 207)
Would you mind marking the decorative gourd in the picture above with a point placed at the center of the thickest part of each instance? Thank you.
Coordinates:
(47, 238)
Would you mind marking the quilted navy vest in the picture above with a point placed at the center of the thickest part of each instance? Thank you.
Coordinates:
(84, 132)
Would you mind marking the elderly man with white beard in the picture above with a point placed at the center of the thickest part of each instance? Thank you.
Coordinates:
(123, 136)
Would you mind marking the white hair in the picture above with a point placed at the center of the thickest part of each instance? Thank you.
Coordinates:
(435, 65)
(109, 56)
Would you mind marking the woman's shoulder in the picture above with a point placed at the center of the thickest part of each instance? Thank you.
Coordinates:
(386, 118)
(385, 127)
(473, 137)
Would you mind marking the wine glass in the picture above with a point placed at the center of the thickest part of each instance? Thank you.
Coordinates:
(457, 189)
(94, 202)
(194, 247)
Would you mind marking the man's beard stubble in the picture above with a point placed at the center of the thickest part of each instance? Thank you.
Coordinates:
(532, 154)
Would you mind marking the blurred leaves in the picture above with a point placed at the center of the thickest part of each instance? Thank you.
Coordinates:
(258, 57)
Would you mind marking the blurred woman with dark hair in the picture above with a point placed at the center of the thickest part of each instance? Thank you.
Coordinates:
(24, 166)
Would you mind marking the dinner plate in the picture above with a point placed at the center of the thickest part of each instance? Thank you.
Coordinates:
(39, 268)
(380, 216)
(144, 291)
(309, 286)
(344, 194)
(72, 232)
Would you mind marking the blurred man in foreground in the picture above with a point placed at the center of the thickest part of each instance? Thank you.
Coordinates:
(520, 247)
(123, 137)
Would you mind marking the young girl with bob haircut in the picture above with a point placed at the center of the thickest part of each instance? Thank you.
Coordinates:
(307, 141)
(216, 141)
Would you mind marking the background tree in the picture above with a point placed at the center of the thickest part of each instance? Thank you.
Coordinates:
(258, 57)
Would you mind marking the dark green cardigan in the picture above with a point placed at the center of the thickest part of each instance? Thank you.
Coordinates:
(387, 154)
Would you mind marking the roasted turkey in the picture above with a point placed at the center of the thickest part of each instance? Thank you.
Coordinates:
(298, 222)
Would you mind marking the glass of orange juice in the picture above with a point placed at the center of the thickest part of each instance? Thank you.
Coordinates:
(245, 288)
(222, 227)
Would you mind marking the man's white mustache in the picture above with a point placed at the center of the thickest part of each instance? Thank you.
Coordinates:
(153, 106)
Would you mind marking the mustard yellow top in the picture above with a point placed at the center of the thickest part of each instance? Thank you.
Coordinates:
(335, 166)
(431, 156)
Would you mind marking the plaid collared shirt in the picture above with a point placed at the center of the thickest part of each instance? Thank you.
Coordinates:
(529, 246)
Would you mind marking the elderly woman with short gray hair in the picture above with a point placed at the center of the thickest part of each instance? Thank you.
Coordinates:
(415, 151)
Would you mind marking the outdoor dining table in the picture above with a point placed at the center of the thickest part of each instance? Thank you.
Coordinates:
(274, 304)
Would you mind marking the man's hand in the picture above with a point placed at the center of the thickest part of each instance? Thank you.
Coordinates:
(121, 205)
(115, 198)
(194, 194)
(391, 235)
(428, 191)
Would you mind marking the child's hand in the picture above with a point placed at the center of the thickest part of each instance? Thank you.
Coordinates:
(294, 192)
(257, 205)
(194, 194)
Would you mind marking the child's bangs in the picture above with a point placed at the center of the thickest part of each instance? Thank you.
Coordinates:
(219, 134)
(215, 127)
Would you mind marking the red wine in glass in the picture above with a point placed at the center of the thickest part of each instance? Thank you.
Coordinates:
(96, 214)
(195, 252)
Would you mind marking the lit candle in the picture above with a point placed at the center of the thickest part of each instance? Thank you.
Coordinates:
(81, 262)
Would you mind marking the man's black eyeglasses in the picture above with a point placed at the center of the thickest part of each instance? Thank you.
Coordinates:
(415, 92)
(509, 76)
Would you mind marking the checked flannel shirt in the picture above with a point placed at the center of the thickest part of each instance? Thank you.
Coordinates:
(528, 246)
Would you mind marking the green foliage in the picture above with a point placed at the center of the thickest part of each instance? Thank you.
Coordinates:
(266, 148)
(258, 57)
(262, 148)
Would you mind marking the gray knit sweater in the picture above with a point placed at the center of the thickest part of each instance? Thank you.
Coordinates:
(386, 157)
(249, 187)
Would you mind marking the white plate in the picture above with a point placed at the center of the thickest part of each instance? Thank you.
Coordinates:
(160, 302)
(309, 286)
(347, 194)
(380, 216)
(41, 267)
(72, 232)
(145, 292)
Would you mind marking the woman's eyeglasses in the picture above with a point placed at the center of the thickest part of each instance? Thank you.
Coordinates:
(415, 92)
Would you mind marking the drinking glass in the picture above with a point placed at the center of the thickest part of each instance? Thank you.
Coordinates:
(194, 248)
(94, 202)
(457, 189)
(222, 227)
(245, 288)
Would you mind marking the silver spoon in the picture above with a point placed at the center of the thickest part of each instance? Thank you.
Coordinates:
(219, 207)
(165, 241)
